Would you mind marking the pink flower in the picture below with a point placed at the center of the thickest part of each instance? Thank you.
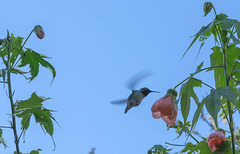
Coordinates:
(166, 109)
(38, 30)
(215, 139)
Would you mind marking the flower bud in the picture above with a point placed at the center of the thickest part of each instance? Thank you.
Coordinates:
(207, 8)
(215, 139)
(38, 30)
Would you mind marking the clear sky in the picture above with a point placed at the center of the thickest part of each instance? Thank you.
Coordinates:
(96, 46)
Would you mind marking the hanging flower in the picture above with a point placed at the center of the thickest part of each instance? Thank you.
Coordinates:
(165, 108)
(207, 8)
(38, 30)
(215, 139)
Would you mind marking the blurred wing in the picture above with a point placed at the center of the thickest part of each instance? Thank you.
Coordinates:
(119, 101)
(133, 81)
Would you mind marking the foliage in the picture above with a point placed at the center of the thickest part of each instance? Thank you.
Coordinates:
(15, 57)
(224, 99)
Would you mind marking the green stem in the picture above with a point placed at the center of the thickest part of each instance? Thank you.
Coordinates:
(192, 137)
(179, 144)
(214, 10)
(195, 74)
(227, 79)
(181, 83)
(5, 127)
(204, 83)
(10, 96)
(21, 50)
(13, 112)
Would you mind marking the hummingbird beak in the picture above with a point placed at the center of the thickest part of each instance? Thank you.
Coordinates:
(155, 91)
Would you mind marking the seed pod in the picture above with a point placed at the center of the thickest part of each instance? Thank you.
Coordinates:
(207, 8)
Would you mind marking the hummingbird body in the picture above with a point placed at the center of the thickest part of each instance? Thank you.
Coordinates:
(136, 98)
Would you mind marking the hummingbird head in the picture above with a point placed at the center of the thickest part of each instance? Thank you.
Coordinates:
(145, 91)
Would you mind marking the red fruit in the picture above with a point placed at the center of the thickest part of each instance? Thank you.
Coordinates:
(38, 30)
(215, 139)
(166, 109)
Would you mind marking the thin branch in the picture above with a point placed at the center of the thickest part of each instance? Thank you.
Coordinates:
(181, 83)
(204, 83)
(6, 127)
(21, 50)
(179, 144)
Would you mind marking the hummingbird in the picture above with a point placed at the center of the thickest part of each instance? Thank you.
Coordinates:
(136, 97)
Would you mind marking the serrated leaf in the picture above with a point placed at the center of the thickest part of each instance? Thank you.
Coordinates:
(204, 148)
(33, 59)
(197, 114)
(186, 93)
(33, 106)
(158, 149)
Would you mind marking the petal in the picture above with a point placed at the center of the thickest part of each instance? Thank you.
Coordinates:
(156, 115)
(166, 106)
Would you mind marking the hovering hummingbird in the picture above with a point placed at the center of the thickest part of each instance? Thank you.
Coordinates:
(136, 97)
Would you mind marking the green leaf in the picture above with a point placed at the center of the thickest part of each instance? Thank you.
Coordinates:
(228, 23)
(233, 53)
(197, 114)
(204, 29)
(213, 104)
(158, 149)
(194, 40)
(35, 151)
(186, 93)
(33, 59)
(2, 141)
(229, 93)
(216, 59)
(225, 147)
(220, 18)
(33, 106)
(237, 27)
(204, 148)
(190, 148)
(235, 40)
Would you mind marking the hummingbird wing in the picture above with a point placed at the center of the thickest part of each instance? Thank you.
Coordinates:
(119, 101)
(133, 81)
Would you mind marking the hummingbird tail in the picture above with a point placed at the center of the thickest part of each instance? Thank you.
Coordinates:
(127, 108)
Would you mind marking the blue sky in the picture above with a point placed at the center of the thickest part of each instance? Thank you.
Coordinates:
(96, 46)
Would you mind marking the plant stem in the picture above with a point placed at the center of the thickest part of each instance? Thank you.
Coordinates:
(181, 83)
(227, 79)
(21, 49)
(192, 136)
(10, 96)
(5, 127)
(13, 112)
